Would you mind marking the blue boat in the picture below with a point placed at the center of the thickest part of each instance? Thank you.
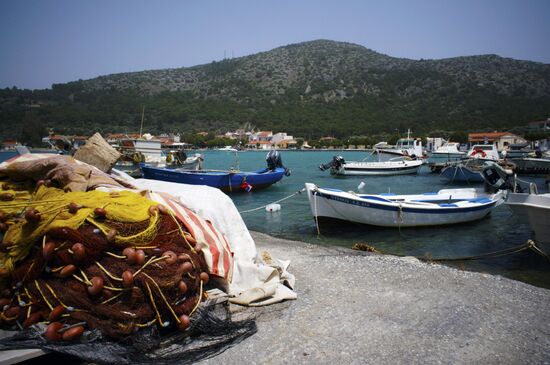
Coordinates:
(460, 172)
(228, 181)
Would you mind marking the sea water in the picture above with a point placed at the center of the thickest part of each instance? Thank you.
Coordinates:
(500, 230)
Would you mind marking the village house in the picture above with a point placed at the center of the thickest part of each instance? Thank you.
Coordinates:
(500, 139)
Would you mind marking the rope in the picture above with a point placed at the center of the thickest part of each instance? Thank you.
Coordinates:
(529, 245)
(275, 202)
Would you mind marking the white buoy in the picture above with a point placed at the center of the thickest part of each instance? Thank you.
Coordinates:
(361, 185)
(272, 208)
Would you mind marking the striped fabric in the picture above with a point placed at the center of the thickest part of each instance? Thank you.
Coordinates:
(215, 247)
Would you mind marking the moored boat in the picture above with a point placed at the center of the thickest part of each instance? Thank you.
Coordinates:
(228, 181)
(447, 206)
(469, 170)
(338, 166)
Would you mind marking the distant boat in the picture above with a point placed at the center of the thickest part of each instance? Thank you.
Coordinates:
(447, 153)
(448, 206)
(338, 166)
(404, 147)
(228, 149)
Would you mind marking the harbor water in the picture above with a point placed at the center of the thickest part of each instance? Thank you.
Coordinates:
(499, 231)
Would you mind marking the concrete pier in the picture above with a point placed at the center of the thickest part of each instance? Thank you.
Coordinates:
(356, 308)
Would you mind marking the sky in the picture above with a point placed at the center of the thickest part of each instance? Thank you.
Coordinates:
(56, 41)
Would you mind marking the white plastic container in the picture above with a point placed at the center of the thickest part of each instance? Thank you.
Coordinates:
(361, 185)
(272, 208)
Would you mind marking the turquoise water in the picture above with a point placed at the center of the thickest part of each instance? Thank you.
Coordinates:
(501, 230)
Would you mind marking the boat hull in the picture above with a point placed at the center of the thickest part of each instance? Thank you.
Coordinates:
(461, 173)
(535, 210)
(378, 168)
(377, 211)
(227, 181)
(532, 166)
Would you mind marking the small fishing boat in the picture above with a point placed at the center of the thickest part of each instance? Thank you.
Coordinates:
(226, 180)
(397, 166)
(469, 170)
(447, 206)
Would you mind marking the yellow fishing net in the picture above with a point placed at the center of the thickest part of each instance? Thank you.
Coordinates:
(53, 205)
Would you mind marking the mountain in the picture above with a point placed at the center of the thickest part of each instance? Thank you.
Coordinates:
(309, 89)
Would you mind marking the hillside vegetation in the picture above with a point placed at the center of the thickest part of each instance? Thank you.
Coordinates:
(308, 89)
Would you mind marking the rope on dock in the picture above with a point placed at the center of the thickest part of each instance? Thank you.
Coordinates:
(275, 202)
(529, 245)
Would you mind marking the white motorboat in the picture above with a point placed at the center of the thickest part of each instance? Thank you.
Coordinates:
(228, 149)
(448, 206)
(446, 154)
(449, 151)
(399, 166)
(405, 147)
(535, 210)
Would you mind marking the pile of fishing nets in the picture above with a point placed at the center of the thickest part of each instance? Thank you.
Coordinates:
(107, 276)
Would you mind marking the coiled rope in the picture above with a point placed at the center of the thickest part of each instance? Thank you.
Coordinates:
(275, 202)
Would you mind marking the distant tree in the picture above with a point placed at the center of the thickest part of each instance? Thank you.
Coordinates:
(32, 130)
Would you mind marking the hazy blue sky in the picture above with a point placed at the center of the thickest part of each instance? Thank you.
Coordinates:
(44, 42)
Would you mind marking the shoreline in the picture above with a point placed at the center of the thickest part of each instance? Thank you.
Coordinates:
(357, 307)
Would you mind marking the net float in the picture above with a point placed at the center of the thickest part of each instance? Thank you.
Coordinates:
(130, 254)
(140, 257)
(48, 251)
(67, 271)
(56, 313)
(32, 215)
(182, 287)
(204, 277)
(184, 322)
(52, 331)
(127, 279)
(79, 251)
(100, 213)
(73, 333)
(171, 257)
(73, 207)
(186, 267)
(96, 287)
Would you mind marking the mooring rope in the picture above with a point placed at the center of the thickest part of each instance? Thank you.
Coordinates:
(275, 202)
(529, 245)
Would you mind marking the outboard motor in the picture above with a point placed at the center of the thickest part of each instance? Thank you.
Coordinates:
(497, 178)
(336, 163)
(274, 160)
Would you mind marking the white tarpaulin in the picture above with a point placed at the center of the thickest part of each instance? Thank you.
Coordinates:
(254, 282)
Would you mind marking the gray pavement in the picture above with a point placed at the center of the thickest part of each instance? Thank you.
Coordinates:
(356, 308)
